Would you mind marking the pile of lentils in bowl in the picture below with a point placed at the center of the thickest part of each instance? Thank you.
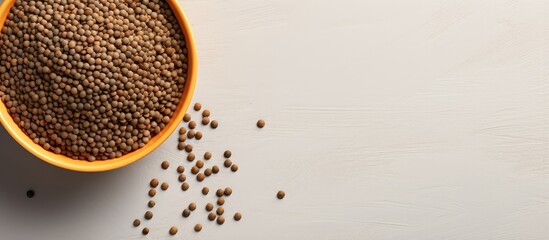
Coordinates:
(92, 79)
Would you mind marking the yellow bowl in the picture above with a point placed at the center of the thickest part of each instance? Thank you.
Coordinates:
(98, 166)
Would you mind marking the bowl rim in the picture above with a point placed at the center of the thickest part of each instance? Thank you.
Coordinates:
(115, 163)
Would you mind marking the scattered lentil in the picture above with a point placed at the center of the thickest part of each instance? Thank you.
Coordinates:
(198, 135)
(207, 155)
(227, 154)
(173, 231)
(220, 220)
(211, 216)
(261, 123)
(186, 213)
(152, 192)
(200, 177)
(195, 170)
(228, 163)
(215, 169)
(192, 206)
(237, 216)
(209, 207)
(220, 192)
(165, 165)
(192, 124)
(234, 168)
(180, 169)
(205, 190)
(228, 191)
(199, 164)
(151, 203)
(220, 201)
(145, 231)
(220, 211)
(187, 117)
(197, 106)
(189, 148)
(208, 172)
(185, 186)
(191, 157)
(164, 186)
(280, 194)
(154, 183)
(214, 124)
(148, 215)
(205, 120)
(136, 223)
(197, 228)
(206, 113)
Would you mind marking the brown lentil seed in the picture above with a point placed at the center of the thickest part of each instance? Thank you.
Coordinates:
(191, 134)
(220, 220)
(187, 117)
(186, 213)
(148, 215)
(165, 165)
(237, 216)
(200, 177)
(180, 169)
(195, 170)
(181, 146)
(198, 135)
(151, 204)
(261, 123)
(227, 154)
(280, 194)
(220, 211)
(220, 201)
(207, 155)
(234, 168)
(152, 192)
(189, 148)
(228, 163)
(215, 169)
(208, 172)
(154, 183)
(192, 206)
(192, 124)
(209, 207)
(182, 130)
(214, 124)
(228, 191)
(185, 186)
(212, 216)
(182, 177)
(205, 121)
(205, 190)
(164, 186)
(197, 106)
(136, 223)
(197, 228)
(190, 157)
(199, 164)
(145, 231)
(220, 192)
(173, 231)
(206, 113)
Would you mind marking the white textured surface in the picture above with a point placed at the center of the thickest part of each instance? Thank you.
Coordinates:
(385, 120)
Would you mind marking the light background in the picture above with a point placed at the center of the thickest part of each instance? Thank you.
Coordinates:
(395, 119)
